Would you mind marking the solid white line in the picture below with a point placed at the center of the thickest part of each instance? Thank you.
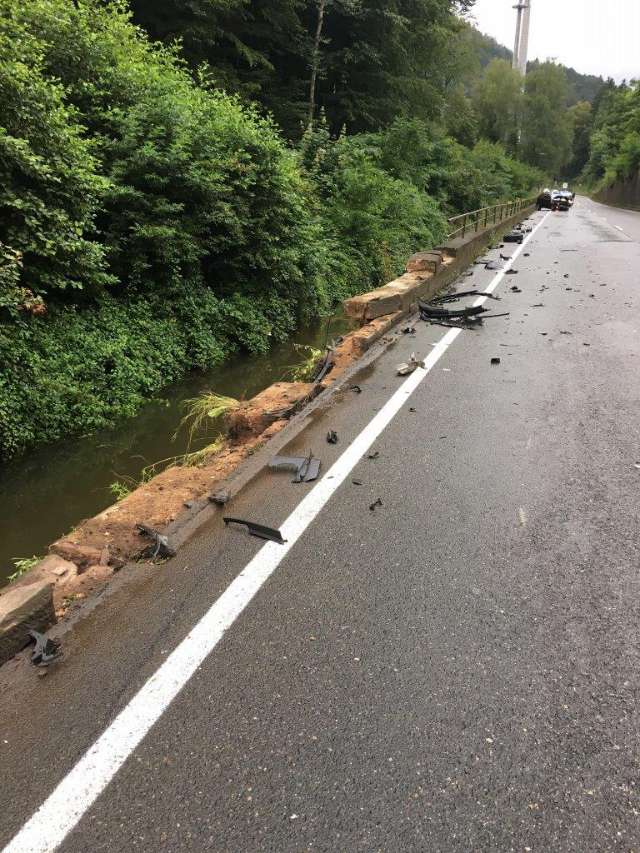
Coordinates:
(76, 793)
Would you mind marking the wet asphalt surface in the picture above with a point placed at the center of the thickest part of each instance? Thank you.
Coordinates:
(455, 671)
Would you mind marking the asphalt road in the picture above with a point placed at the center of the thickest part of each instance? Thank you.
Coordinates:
(455, 670)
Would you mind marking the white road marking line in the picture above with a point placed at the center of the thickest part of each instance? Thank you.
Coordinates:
(80, 788)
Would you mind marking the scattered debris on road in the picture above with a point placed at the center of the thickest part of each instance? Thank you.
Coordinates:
(356, 389)
(377, 502)
(261, 531)
(332, 437)
(306, 468)
(511, 272)
(515, 289)
(409, 330)
(160, 547)
(374, 455)
(220, 498)
(357, 482)
(46, 650)
(495, 360)
(408, 367)
(514, 237)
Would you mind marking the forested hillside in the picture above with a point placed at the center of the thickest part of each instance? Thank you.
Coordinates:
(205, 176)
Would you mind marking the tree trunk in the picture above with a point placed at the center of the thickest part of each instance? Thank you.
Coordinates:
(315, 61)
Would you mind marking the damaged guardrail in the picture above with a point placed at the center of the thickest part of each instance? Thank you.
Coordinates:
(476, 220)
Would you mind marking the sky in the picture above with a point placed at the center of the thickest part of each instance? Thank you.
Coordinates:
(592, 36)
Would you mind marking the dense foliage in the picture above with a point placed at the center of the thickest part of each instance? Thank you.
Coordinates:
(152, 223)
(612, 151)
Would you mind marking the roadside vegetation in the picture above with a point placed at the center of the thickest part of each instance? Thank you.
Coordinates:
(177, 185)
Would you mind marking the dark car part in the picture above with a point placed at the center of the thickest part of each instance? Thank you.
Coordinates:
(259, 530)
(46, 650)
(306, 468)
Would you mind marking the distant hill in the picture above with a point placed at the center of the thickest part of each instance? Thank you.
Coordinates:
(584, 87)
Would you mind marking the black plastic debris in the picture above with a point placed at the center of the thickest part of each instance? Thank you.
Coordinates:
(515, 236)
(504, 257)
(259, 530)
(46, 650)
(332, 437)
(374, 455)
(511, 272)
(160, 547)
(515, 289)
(357, 482)
(411, 409)
(566, 275)
(527, 255)
(495, 360)
(409, 330)
(306, 468)
(453, 297)
(430, 312)
(377, 502)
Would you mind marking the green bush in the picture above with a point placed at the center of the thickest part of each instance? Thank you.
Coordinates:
(50, 191)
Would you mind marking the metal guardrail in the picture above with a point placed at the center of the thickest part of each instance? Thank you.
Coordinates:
(486, 216)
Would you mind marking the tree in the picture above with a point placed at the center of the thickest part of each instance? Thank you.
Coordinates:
(547, 133)
(581, 115)
(498, 103)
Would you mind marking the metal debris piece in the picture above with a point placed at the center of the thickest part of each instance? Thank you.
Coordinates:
(495, 360)
(408, 367)
(46, 650)
(332, 437)
(377, 502)
(259, 530)
(306, 468)
(161, 545)
(220, 498)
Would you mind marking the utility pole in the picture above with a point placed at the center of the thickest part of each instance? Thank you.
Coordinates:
(521, 47)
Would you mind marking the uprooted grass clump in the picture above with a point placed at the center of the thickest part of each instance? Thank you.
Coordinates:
(307, 368)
